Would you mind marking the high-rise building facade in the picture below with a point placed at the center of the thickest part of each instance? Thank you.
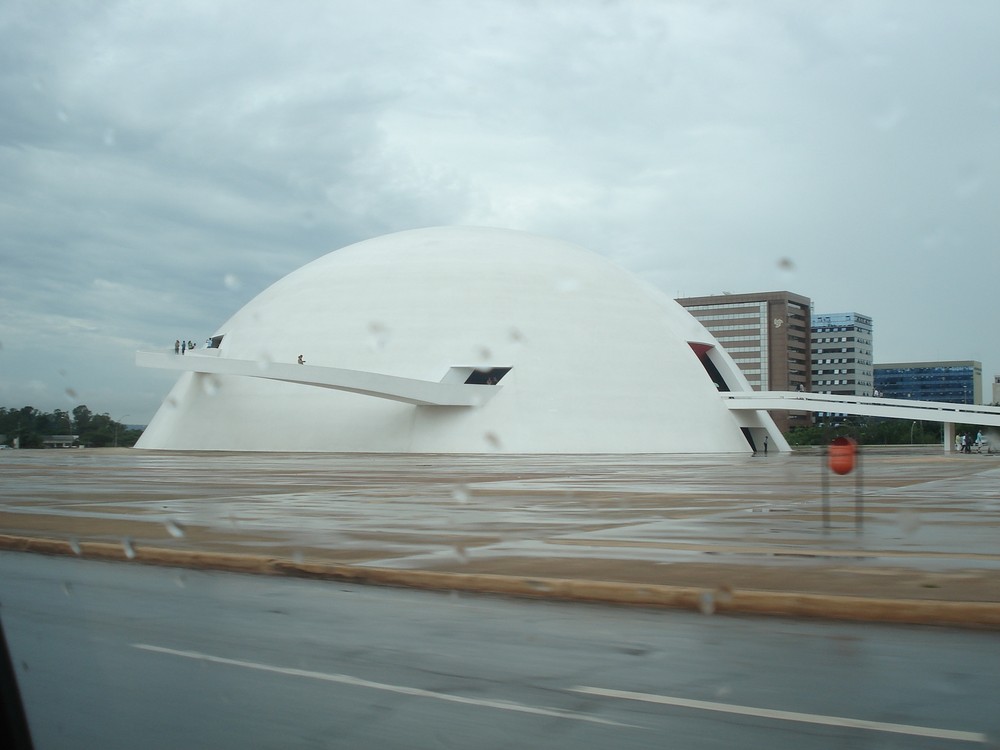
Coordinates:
(768, 335)
(953, 382)
(842, 362)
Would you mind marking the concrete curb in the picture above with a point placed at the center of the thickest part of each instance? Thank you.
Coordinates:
(708, 601)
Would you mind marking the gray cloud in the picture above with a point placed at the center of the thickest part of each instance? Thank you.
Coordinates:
(164, 162)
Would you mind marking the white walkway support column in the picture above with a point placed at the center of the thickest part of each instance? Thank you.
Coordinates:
(949, 436)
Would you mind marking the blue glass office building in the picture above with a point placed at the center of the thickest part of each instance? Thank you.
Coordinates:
(949, 382)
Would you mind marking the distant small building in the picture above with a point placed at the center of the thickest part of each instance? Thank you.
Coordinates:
(62, 441)
(952, 382)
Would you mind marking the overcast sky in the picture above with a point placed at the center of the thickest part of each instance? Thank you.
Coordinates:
(163, 162)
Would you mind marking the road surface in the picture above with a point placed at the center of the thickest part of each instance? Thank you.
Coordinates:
(119, 655)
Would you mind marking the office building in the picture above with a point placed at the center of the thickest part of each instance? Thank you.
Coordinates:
(950, 382)
(842, 362)
(768, 335)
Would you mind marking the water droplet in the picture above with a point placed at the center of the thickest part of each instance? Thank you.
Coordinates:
(516, 335)
(232, 282)
(175, 529)
(909, 521)
(68, 588)
(129, 548)
(71, 393)
(493, 440)
(298, 557)
(461, 553)
(181, 580)
(724, 594)
(706, 603)
(75, 546)
(264, 360)
(460, 494)
(485, 353)
(540, 586)
(171, 402)
(889, 119)
(378, 335)
(211, 384)
(786, 264)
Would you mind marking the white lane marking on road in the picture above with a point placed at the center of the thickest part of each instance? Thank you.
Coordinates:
(768, 713)
(346, 679)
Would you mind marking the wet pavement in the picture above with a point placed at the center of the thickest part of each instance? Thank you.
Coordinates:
(929, 527)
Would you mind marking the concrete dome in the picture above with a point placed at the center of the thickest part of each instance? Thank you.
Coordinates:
(588, 358)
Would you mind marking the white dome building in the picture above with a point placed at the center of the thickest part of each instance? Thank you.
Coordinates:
(458, 340)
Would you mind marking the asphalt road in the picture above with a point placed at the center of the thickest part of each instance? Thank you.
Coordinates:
(118, 655)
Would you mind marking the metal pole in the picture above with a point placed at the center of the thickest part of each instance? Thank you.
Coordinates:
(859, 502)
(826, 488)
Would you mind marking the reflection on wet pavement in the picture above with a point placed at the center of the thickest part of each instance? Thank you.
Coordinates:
(923, 511)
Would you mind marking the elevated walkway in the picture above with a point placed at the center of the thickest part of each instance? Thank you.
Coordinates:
(378, 385)
(894, 408)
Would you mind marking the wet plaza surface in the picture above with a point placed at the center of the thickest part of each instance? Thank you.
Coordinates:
(928, 527)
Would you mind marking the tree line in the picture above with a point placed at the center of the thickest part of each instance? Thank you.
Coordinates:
(31, 427)
(875, 431)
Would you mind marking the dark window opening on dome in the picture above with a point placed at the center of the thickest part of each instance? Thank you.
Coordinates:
(702, 350)
(215, 341)
(492, 376)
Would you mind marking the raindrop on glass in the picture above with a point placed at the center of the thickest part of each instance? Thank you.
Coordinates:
(493, 440)
(460, 494)
(129, 548)
(175, 529)
(75, 546)
(68, 588)
(786, 264)
(71, 393)
(706, 603)
(724, 594)
(210, 384)
(232, 282)
(378, 335)
(264, 360)
(909, 521)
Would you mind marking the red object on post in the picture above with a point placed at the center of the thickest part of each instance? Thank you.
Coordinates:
(842, 454)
